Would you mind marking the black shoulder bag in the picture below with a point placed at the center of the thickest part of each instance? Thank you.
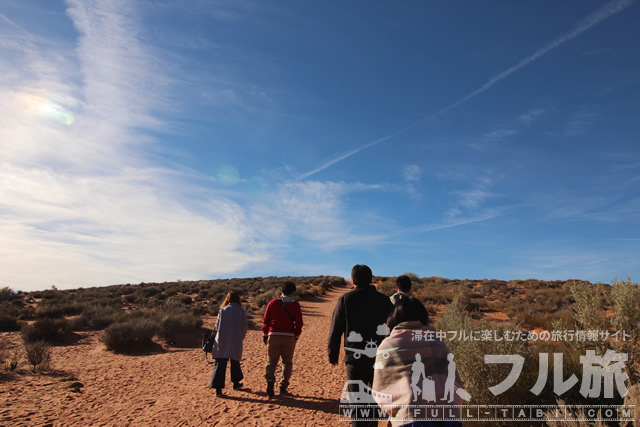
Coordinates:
(208, 339)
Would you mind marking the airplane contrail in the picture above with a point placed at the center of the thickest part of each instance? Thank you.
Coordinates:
(359, 149)
(598, 16)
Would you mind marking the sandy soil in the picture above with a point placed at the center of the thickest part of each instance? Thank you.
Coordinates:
(170, 386)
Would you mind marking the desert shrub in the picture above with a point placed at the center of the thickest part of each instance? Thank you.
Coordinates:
(264, 298)
(180, 300)
(7, 294)
(130, 298)
(96, 318)
(51, 294)
(625, 296)
(57, 310)
(124, 336)
(632, 398)
(38, 355)
(330, 282)
(125, 290)
(8, 322)
(147, 292)
(4, 353)
(477, 375)
(45, 329)
(214, 308)
(176, 323)
(303, 291)
(171, 291)
(588, 309)
(388, 287)
(203, 294)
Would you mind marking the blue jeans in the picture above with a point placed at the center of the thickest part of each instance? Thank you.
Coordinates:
(220, 371)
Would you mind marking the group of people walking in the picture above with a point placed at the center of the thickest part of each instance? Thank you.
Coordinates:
(281, 327)
(400, 367)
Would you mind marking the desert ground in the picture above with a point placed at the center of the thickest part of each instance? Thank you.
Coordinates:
(91, 386)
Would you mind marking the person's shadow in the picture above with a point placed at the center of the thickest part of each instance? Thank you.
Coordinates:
(329, 406)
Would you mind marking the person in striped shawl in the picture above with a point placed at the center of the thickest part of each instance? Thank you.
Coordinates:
(412, 368)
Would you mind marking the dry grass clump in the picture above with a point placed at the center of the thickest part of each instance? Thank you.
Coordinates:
(38, 355)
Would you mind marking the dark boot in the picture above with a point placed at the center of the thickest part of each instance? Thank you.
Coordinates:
(284, 392)
(270, 391)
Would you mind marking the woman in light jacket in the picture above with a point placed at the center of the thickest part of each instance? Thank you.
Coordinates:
(232, 326)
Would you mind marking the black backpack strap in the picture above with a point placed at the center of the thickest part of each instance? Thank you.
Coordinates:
(288, 314)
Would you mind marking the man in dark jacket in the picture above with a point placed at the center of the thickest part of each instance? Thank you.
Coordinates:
(361, 316)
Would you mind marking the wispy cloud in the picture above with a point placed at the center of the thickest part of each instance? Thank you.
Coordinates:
(411, 173)
(457, 220)
(580, 122)
(545, 261)
(309, 213)
(595, 18)
(531, 115)
(80, 203)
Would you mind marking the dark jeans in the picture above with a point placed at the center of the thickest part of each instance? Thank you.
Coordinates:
(363, 372)
(220, 370)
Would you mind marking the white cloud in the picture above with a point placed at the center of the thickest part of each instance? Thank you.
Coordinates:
(499, 134)
(531, 115)
(411, 173)
(580, 122)
(472, 199)
(80, 205)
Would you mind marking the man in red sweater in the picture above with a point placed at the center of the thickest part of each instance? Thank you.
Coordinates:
(281, 328)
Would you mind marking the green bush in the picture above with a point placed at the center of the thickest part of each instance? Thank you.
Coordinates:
(45, 329)
(125, 336)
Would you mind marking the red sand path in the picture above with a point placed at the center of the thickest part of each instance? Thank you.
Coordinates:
(170, 386)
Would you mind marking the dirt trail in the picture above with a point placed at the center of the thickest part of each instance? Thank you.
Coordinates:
(171, 386)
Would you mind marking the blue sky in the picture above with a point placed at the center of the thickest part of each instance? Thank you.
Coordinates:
(182, 140)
